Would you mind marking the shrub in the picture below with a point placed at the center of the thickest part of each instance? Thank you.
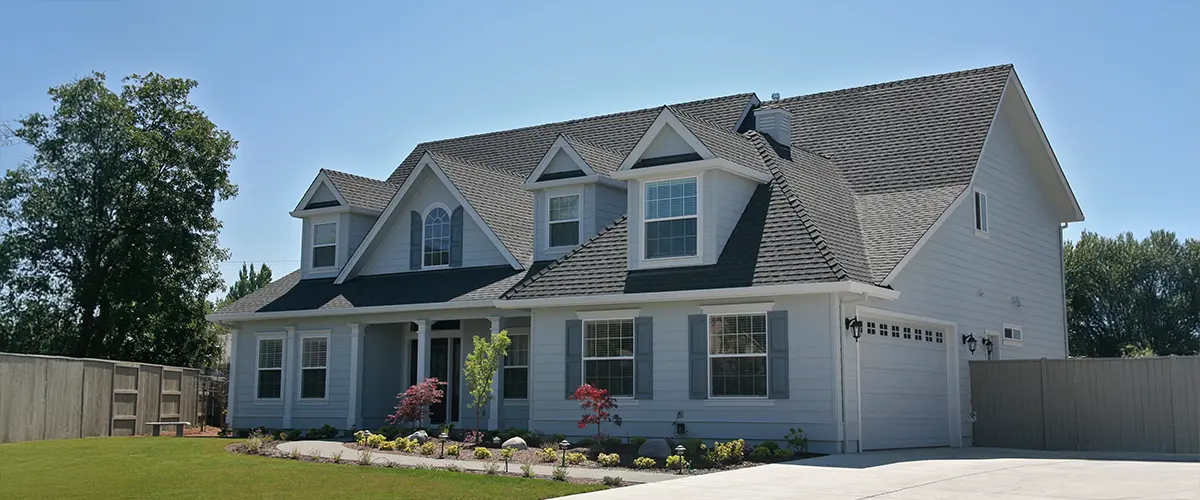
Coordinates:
(597, 404)
(610, 443)
(365, 455)
(293, 435)
(453, 468)
(325, 432)
(608, 459)
(492, 468)
(761, 453)
(527, 470)
(414, 403)
(375, 440)
(473, 438)
(452, 450)
(770, 445)
(507, 453)
(546, 454)
(613, 482)
(428, 448)
(693, 446)
(534, 438)
(336, 457)
(645, 463)
(294, 454)
(576, 458)
(390, 432)
(387, 445)
(729, 452)
(360, 437)
(676, 462)
(585, 442)
(782, 454)
(405, 445)
(559, 474)
(638, 441)
(797, 440)
(555, 439)
(483, 453)
(258, 443)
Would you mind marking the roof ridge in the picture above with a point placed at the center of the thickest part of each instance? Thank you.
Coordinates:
(894, 83)
(697, 119)
(814, 232)
(477, 164)
(588, 143)
(356, 176)
(521, 285)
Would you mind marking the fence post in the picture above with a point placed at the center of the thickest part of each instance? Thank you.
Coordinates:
(1045, 415)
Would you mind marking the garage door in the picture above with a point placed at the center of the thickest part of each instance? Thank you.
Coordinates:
(904, 389)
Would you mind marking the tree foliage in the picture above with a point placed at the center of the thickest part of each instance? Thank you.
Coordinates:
(598, 405)
(480, 370)
(249, 280)
(1129, 297)
(415, 402)
(108, 243)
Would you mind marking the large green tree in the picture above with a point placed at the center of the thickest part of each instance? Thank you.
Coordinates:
(108, 243)
(1133, 297)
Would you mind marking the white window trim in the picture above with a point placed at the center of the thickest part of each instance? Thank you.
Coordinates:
(283, 366)
(577, 220)
(612, 314)
(711, 356)
(735, 309)
(699, 226)
(503, 366)
(984, 214)
(337, 248)
(585, 358)
(325, 334)
(1012, 342)
(424, 216)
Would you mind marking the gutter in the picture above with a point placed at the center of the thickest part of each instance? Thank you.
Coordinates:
(324, 313)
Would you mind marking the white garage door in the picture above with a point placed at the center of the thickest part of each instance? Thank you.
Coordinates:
(904, 385)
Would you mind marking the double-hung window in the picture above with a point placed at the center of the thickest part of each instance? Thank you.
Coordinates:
(324, 247)
(314, 356)
(670, 218)
(608, 355)
(981, 212)
(516, 367)
(737, 350)
(436, 251)
(564, 220)
(270, 368)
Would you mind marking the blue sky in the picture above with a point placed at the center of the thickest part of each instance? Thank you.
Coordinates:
(304, 85)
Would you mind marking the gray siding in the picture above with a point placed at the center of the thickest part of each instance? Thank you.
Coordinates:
(358, 227)
(560, 163)
(390, 254)
(972, 281)
(811, 395)
(599, 206)
(728, 195)
(383, 375)
(610, 205)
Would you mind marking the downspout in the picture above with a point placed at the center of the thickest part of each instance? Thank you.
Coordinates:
(1062, 269)
(841, 315)
(839, 385)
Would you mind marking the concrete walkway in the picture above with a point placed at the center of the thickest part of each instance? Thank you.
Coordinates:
(326, 449)
(937, 474)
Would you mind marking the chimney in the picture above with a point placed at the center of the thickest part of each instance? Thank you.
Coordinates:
(775, 122)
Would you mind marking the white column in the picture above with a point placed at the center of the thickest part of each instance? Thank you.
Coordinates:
(422, 350)
(356, 353)
(289, 374)
(231, 405)
(494, 406)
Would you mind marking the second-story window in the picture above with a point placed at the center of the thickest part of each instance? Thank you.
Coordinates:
(437, 238)
(564, 221)
(324, 248)
(671, 218)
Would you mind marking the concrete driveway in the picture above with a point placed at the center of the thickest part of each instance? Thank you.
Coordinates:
(936, 474)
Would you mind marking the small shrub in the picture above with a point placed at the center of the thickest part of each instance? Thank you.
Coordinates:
(453, 468)
(782, 454)
(534, 438)
(473, 438)
(610, 443)
(404, 444)
(507, 453)
(676, 462)
(559, 474)
(293, 435)
(452, 450)
(693, 446)
(527, 470)
(645, 463)
(761, 453)
(492, 468)
(360, 437)
(546, 454)
(375, 440)
(428, 448)
(729, 452)
(336, 457)
(771, 445)
(387, 445)
(576, 458)
(613, 482)
(556, 438)
(389, 432)
(638, 441)
(325, 432)
(608, 459)
(258, 443)
(413, 405)
(483, 453)
(294, 454)
(364, 456)
(797, 440)
(585, 442)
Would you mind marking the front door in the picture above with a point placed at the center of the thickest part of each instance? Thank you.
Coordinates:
(444, 355)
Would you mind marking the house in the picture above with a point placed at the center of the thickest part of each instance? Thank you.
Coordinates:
(728, 268)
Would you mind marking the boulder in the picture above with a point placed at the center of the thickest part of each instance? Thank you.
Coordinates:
(655, 448)
(515, 442)
(420, 436)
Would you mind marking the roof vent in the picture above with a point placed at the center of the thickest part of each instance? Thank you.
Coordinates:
(775, 122)
(774, 96)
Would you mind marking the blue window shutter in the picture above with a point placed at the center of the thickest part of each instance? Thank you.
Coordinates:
(456, 235)
(643, 357)
(777, 354)
(698, 356)
(414, 241)
(574, 375)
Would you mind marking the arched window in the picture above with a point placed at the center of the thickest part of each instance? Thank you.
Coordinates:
(437, 238)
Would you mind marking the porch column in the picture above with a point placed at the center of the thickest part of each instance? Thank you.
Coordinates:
(494, 406)
(289, 374)
(356, 354)
(231, 405)
(422, 350)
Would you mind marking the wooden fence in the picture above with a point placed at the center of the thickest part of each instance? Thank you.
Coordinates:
(1136, 404)
(47, 397)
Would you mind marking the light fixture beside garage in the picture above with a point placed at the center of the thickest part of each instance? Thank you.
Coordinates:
(969, 340)
(854, 326)
(987, 345)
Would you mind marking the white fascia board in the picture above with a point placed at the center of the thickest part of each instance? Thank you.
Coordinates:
(312, 190)
(349, 311)
(708, 294)
(1015, 82)
(665, 118)
(560, 144)
(937, 224)
(300, 214)
(569, 181)
(672, 169)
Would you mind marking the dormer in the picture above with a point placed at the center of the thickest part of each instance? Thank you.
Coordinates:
(334, 224)
(685, 193)
(574, 197)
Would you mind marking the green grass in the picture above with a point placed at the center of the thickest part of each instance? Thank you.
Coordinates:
(181, 468)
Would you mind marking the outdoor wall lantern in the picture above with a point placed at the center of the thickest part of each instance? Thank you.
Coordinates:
(854, 325)
(969, 340)
(987, 346)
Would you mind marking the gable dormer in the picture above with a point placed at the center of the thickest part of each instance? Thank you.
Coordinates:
(574, 197)
(685, 193)
(333, 226)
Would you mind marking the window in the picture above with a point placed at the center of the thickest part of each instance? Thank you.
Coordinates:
(564, 221)
(1012, 334)
(516, 367)
(737, 351)
(314, 354)
(671, 218)
(270, 368)
(437, 238)
(324, 248)
(608, 355)
(981, 213)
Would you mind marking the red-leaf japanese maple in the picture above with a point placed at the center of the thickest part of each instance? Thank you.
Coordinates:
(597, 402)
(414, 403)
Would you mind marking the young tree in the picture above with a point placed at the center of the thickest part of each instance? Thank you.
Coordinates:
(480, 369)
(413, 405)
(110, 224)
(248, 282)
(597, 402)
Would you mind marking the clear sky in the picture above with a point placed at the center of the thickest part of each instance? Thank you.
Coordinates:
(355, 86)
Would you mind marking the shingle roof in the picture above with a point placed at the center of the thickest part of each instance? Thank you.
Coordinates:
(602, 160)
(362, 191)
(499, 199)
(722, 142)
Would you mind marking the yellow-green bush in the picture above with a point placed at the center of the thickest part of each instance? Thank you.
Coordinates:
(375, 440)
(428, 448)
(404, 444)
(729, 452)
(546, 454)
(452, 450)
(483, 453)
(676, 462)
(608, 459)
(645, 463)
(576, 458)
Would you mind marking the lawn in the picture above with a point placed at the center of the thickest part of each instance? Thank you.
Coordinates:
(179, 468)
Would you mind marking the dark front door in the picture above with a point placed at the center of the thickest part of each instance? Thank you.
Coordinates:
(443, 364)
